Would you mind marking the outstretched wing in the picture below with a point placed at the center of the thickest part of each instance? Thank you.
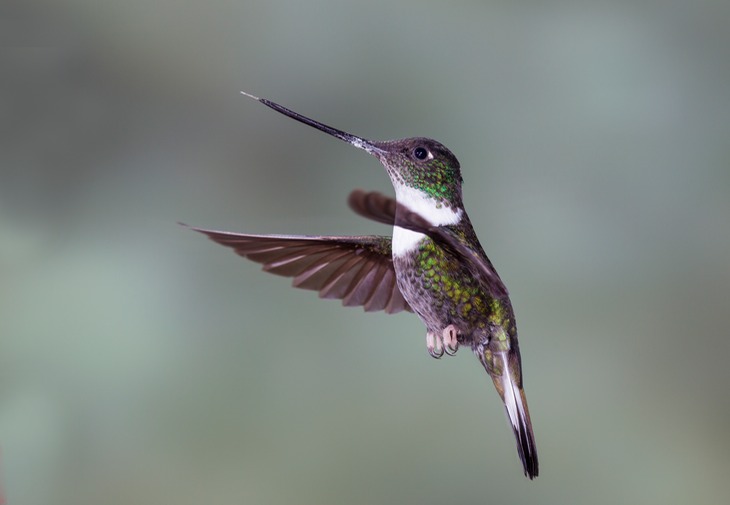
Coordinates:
(381, 208)
(357, 270)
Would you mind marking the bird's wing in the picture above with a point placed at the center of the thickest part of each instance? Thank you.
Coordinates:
(357, 270)
(373, 205)
(381, 208)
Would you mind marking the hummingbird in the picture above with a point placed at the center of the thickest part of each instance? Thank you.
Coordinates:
(432, 265)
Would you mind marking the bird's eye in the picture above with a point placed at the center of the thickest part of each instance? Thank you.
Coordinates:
(420, 153)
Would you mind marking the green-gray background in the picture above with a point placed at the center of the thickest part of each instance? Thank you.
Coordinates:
(140, 363)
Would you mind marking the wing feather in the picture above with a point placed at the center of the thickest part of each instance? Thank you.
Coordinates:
(373, 205)
(358, 270)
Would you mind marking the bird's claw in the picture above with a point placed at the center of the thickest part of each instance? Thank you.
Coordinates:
(434, 345)
(446, 342)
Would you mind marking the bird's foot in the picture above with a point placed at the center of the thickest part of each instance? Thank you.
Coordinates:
(451, 344)
(446, 342)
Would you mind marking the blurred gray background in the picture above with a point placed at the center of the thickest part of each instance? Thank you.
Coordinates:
(140, 363)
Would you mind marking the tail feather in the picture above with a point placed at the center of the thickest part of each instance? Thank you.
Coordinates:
(500, 357)
(518, 414)
(519, 418)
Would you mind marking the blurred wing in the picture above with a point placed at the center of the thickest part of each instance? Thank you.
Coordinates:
(357, 270)
(381, 208)
(373, 205)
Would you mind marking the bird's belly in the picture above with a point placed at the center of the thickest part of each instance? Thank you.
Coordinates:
(437, 287)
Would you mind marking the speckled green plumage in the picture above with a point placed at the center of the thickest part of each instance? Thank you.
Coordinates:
(442, 277)
(438, 181)
(443, 291)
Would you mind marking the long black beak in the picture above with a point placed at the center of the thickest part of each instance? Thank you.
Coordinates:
(358, 142)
